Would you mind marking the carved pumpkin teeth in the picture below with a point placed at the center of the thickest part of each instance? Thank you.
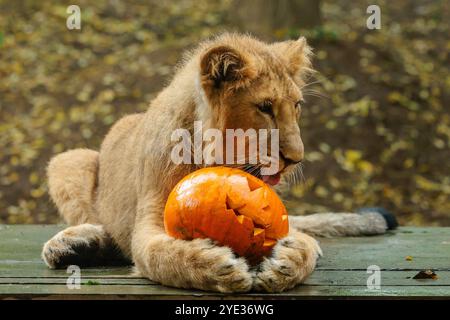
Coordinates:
(257, 231)
(245, 221)
(269, 242)
(240, 218)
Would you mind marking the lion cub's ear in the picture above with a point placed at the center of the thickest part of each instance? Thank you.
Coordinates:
(224, 67)
(296, 56)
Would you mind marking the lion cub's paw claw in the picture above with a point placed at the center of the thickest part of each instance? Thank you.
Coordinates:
(234, 277)
(223, 272)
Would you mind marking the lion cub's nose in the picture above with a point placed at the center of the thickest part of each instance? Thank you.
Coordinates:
(288, 160)
(293, 153)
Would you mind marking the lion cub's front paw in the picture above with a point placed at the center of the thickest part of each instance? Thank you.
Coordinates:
(293, 260)
(233, 276)
(225, 272)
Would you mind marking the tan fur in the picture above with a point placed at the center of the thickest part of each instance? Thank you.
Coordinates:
(124, 187)
(72, 179)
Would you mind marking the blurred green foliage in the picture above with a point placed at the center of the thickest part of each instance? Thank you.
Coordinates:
(376, 124)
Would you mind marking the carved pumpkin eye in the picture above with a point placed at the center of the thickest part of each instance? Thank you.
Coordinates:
(266, 107)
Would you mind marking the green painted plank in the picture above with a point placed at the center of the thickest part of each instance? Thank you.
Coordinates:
(429, 247)
(156, 292)
(390, 278)
(84, 281)
(341, 272)
(28, 238)
(362, 291)
(39, 269)
(20, 249)
(319, 277)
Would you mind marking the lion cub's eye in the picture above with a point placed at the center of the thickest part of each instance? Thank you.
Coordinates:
(298, 104)
(266, 107)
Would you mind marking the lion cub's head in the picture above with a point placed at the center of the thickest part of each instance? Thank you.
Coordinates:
(250, 84)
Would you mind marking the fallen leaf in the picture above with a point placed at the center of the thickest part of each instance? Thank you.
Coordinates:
(426, 274)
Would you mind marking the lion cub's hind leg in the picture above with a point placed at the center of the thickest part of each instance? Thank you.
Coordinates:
(83, 245)
(72, 181)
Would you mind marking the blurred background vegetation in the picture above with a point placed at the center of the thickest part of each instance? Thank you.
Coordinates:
(376, 124)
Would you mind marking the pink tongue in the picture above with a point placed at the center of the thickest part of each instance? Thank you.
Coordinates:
(272, 180)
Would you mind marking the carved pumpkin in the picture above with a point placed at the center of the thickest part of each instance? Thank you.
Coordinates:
(229, 206)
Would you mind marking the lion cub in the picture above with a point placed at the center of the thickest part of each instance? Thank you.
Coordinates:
(114, 199)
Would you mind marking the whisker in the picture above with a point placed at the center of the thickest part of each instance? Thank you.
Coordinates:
(296, 176)
(317, 95)
(313, 90)
(310, 84)
(302, 176)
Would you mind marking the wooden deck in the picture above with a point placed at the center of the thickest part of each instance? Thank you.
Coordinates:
(341, 273)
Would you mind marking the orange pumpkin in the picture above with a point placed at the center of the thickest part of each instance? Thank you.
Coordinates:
(229, 206)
